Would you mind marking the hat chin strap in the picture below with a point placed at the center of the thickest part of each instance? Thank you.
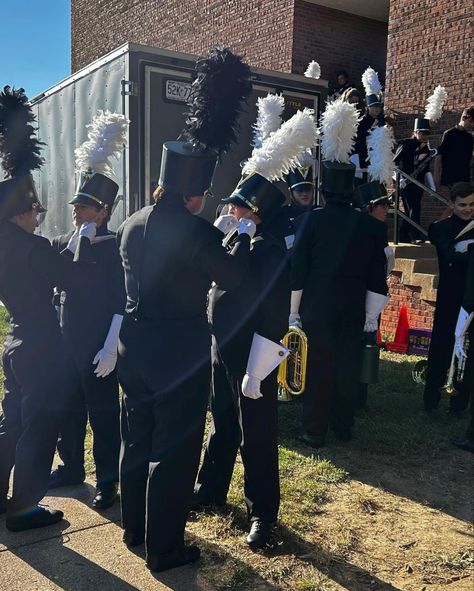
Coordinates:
(96, 199)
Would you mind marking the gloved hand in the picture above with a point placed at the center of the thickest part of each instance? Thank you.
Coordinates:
(106, 361)
(73, 241)
(106, 358)
(459, 349)
(247, 226)
(88, 230)
(463, 245)
(251, 387)
(226, 223)
(371, 324)
(295, 320)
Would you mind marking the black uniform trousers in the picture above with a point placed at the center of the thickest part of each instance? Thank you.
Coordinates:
(411, 197)
(165, 377)
(251, 426)
(98, 398)
(332, 378)
(35, 388)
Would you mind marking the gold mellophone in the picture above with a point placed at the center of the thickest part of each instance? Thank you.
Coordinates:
(292, 371)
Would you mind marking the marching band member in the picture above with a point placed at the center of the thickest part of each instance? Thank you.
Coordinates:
(451, 237)
(247, 326)
(413, 156)
(338, 281)
(36, 381)
(374, 117)
(170, 257)
(91, 320)
(465, 324)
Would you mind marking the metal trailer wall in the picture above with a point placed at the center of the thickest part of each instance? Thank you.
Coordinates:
(62, 116)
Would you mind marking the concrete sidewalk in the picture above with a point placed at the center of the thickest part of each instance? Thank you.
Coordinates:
(84, 552)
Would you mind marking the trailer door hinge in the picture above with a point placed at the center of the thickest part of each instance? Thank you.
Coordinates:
(129, 88)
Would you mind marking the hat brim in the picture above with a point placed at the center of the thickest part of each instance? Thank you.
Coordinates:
(86, 200)
(303, 185)
(236, 200)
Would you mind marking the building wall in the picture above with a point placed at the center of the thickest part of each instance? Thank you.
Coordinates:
(261, 30)
(337, 40)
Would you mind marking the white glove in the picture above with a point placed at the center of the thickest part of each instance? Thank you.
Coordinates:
(226, 223)
(88, 230)
(294, 320)
(390, 256)
(106, 358)
(247, 226)
(463, 245)
(459, 349)
(463, 322)
(251, 387)
(374, 304)
(73, 241)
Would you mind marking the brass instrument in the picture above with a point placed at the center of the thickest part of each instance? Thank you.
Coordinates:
(419, 167)
(456, 370)
(292, 371)
(418, 373)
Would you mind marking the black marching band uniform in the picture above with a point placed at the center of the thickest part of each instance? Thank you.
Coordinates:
(339, 287)
(251, 317)
(445, 234)
(34, 362)
(86, 318)
(409, 157)
(465, 324)
(170, 258)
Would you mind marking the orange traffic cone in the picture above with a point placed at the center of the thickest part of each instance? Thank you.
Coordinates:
(400, 344)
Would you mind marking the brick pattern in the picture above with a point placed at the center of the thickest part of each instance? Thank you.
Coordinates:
(337, 40)
(420, 312)
(260, 30)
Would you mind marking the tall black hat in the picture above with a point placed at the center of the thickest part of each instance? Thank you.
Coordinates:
(222, 83)
(107, 134)
(300, 178)
(20, 154)
(422, 124)
(258, 194)
(337, 177)
(433, 111)
(373, 193)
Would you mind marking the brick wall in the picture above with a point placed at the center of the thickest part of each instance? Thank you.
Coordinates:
(430, 42)
(420, 312)
(337, 40)
(261, 30)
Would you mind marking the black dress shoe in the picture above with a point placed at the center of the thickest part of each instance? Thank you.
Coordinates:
(315, 441)
(132, 538)
(260, 533)
(179, 557)
(38, 517)
(465, 443)
(60, 477)
(105, 496)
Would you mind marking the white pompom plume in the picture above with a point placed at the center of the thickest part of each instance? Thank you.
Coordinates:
(305, 159)
(279, 152)
(371, 82)
(106, 135)
(313, 70)
(434, 106)
(269, 113)
(338, 128)
(380, 151)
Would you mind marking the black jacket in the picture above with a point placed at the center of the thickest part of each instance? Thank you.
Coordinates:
(86, 314)
(260, 304)
(409, 155)
(338, 256)
(468, 300)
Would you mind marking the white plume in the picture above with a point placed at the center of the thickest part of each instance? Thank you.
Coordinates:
(338, 127)
(269, 113)
(380, 151)
(279, 152)
(313, 70)
(371, 82)
(305, 159)
(434, 106)
(106, 135)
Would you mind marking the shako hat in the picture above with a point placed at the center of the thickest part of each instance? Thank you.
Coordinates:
(187, 164)
(372, 87)
(433, 111)
(372, 193)
(19, 153)
(106, 137)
